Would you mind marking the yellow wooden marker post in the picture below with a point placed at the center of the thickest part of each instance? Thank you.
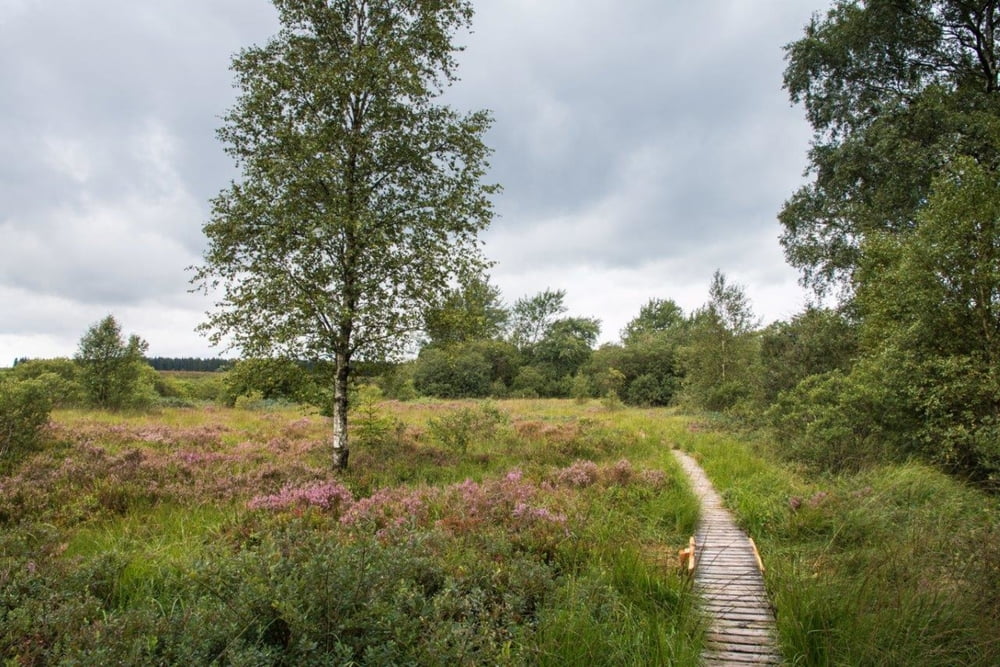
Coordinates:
(687, 556)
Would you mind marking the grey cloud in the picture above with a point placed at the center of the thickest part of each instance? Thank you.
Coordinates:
(685, 79)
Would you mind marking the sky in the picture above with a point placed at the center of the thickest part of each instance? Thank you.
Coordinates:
(641, 145)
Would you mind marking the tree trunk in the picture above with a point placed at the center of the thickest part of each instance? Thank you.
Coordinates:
(340, 450)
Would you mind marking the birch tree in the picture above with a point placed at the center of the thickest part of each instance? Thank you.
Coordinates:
(361, 195)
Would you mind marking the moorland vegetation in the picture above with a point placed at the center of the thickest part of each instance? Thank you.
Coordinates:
(511, 497)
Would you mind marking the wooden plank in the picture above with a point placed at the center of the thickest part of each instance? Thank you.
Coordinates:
(761, 644)
(734, 657)
(748, 633)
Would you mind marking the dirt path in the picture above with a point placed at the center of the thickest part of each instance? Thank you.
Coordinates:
(729, 580)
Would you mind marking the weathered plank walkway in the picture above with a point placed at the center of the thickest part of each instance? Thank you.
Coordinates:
(729, 580)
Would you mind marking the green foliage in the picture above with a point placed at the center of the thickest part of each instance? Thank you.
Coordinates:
(581, 389)
(457, 372)
(647, 390)
(566, 345)
(902, 213)
(651, 356)
(61, 378)
(530, 382)
(814, 342)
(111, 369)
(251, 400)
(530, 317)
(274, 379)
(655, 318)
(473, 369)
(372, 427)
(721, 351)
(396, 382)
(188, 386)
(473, 311)
(611, 401)
(459, 428)
(361, 194)
(931, 324)
(834, 421)
(24, 412)
(896, 92)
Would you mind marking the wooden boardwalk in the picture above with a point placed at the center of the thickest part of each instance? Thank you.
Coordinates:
(728, 578)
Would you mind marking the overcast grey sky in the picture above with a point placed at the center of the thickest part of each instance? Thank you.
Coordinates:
(641, 145)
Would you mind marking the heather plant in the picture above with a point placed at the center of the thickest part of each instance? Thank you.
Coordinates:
(24, 412)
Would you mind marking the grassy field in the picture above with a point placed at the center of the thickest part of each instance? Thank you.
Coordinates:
(511, 532)
(539, 532)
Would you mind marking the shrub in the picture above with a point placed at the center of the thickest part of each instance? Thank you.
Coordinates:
(453, 373)
(273, 379)
(647, 390)
(254, 400)
(581, 390)
(61, 378)
(111, 369)
(371, 426)
(529, 383)
(24, 412)
(456, 429)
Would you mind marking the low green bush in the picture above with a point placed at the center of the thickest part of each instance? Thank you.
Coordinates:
(25, 406)
(457, 429)
(61, 378)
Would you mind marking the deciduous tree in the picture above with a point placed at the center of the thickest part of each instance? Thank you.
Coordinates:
(361, 194)
(895, 91)
(472, 311)
(721, 350)
(110, 366)
(655, 317)
(531, 316)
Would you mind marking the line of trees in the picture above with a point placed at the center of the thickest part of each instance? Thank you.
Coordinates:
(187, 363)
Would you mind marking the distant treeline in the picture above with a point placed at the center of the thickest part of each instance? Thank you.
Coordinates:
(171, 363)
(186, 363)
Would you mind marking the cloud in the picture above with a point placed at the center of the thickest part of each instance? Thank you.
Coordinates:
(105, 247)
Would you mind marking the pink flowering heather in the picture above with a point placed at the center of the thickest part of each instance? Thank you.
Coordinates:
(325, 495)
(388, 507)
(620, 473)
(654, 478)
(579, 474)
(524, 511)
(491, 499)
(194, 458)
